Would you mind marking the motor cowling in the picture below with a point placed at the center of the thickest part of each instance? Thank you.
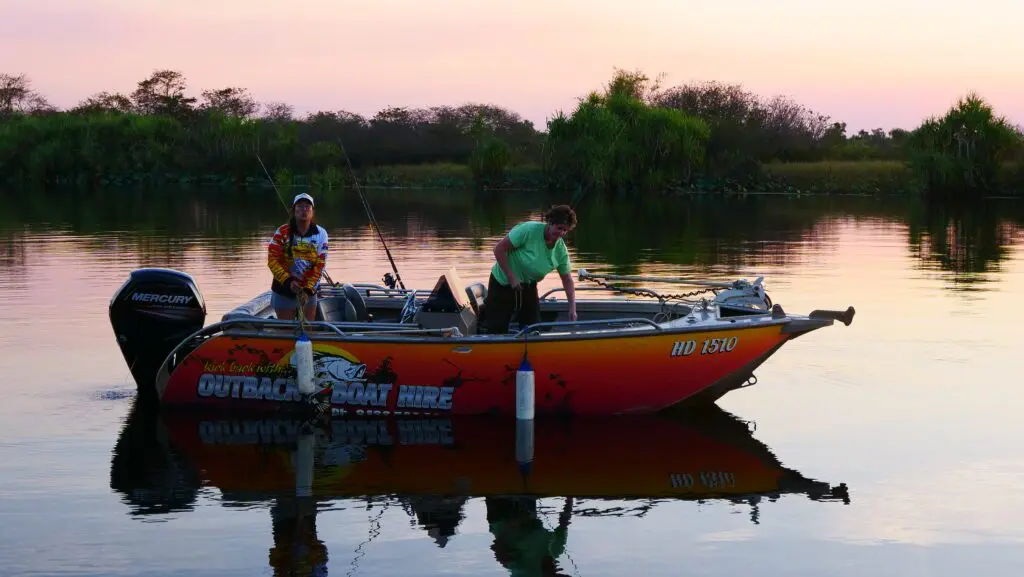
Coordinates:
(153, 312)
(744, 298)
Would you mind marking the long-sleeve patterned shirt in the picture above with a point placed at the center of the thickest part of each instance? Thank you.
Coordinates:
(305, 263)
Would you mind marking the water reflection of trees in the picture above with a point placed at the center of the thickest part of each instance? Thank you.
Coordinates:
(158, 227)
(967, 240)
(724, 234)
(754, 231)
(12, 256)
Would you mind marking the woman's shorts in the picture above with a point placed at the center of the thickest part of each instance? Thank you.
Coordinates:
(279, 301)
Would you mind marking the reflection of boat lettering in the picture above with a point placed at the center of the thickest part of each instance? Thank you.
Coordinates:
(681, 480)
(425, 432)
(249, 432)
(717, 479)
(409, 432)
(720, 345)
(343, 432)
(361, 433)
(708, 480)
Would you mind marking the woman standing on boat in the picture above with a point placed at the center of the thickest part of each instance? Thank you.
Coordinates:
(296, 256)
(523, 258)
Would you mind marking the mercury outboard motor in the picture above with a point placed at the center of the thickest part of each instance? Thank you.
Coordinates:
(152, 312)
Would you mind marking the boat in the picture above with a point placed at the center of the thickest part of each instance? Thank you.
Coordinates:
(379, 349)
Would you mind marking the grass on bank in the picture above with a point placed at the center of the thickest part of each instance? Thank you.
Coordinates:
(867, 177)
(846, 176)
(872, 177)
(882, 177)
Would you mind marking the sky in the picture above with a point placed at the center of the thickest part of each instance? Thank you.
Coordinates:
(871, 64)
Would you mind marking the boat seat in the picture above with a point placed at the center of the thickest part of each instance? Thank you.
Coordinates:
(336, 309)
(347, 308)
(357, 302)
(477, 293)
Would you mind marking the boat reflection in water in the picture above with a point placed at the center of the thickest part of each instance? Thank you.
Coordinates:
(432, 467)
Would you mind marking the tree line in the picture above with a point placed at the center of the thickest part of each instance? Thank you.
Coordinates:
(631, 135)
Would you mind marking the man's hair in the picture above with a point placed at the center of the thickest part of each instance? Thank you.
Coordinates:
(561, 214)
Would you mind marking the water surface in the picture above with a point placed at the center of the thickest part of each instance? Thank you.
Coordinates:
(890, 447)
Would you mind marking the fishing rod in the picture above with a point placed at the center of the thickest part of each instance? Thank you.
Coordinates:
(369, 214)
(272, 183)
(284, 204)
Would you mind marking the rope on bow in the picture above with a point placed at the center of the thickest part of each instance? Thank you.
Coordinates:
(300, 313)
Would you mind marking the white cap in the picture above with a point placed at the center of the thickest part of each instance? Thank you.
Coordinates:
(302, 196)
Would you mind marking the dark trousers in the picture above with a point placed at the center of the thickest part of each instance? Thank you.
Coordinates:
(503, 301)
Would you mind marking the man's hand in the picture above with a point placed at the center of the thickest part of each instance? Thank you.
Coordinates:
(572, 312)
(295, 286)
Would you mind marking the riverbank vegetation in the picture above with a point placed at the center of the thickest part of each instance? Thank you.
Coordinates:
(631, 136)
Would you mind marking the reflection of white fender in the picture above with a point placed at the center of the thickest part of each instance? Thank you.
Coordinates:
(524, 441)
(303, 462)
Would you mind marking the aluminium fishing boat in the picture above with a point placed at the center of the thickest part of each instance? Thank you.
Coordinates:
(380, 350)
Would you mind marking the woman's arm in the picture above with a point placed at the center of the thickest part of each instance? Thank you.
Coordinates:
(276, 260)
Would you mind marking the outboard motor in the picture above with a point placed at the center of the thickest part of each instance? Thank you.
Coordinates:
(152, 312)
(744, 299)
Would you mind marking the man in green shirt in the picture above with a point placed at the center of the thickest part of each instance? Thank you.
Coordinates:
(523, 258)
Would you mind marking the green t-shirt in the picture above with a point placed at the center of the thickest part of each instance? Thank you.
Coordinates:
(531, 259)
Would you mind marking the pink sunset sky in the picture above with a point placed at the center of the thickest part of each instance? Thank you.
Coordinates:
(870, 63)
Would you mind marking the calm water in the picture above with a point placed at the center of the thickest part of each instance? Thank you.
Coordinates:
(915, 407)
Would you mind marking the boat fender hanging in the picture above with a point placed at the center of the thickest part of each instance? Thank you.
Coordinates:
(304, 364)
(524, 390)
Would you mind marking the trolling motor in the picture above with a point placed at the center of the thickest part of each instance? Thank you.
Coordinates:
(745, 297)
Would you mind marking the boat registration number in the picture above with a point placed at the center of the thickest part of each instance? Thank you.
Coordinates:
(707, 346)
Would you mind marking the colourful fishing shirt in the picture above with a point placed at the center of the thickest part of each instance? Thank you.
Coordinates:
(304, 260)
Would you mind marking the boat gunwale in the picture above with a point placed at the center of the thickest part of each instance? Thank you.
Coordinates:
(423, 337)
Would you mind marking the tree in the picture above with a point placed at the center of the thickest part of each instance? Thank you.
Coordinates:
(234, 102)
(163, 93)
(105, 102)
(278, 112)
(615, 141)
(17, 96)
(962, 152)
